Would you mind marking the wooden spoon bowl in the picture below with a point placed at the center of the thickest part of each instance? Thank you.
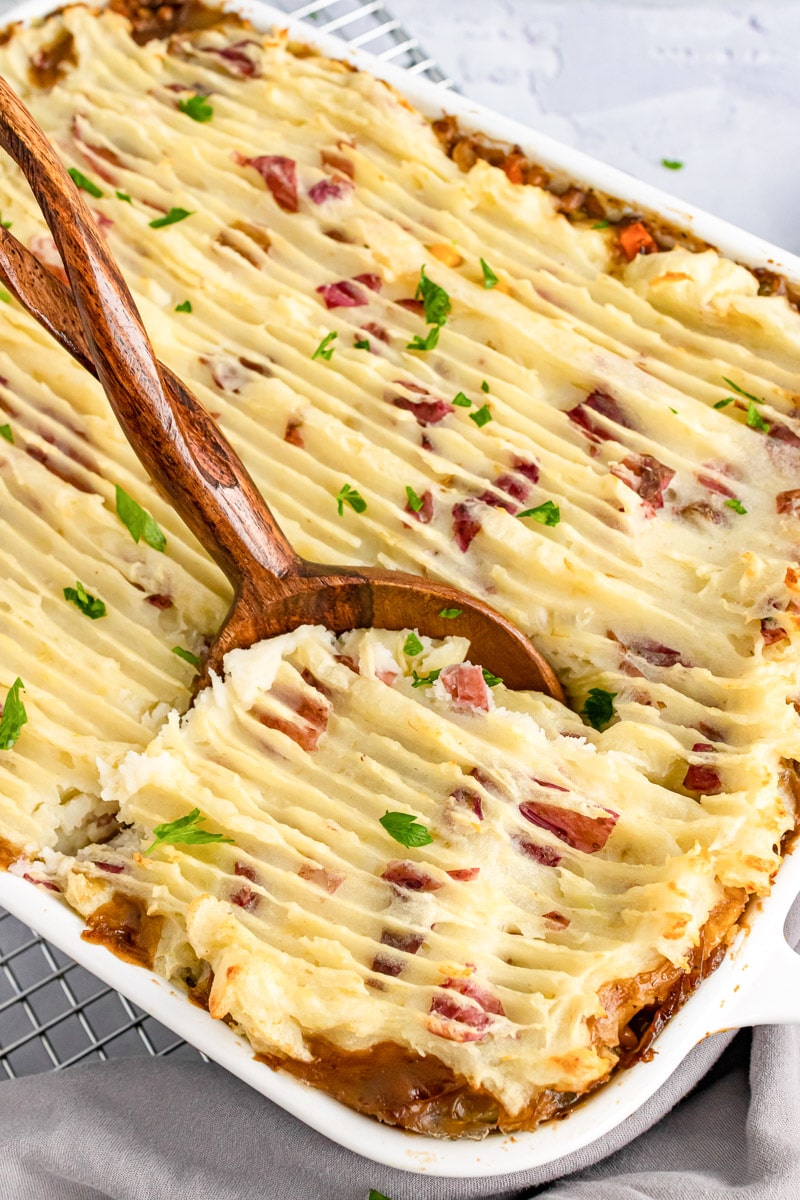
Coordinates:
(190, 461)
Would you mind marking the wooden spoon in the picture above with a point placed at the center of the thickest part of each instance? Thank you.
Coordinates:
(187, 457)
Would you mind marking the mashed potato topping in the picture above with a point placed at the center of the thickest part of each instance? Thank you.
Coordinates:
(436, 371)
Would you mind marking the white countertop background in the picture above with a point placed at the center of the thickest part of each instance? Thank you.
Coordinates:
(715, 85)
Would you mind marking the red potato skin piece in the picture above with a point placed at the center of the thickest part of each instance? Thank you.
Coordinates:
(425, 514)
(465, 874)
(425, 412)
(606, 406)
(329, 189)
(788, 503)
(466, 526)
(467, 798)
(581, 832)
(646, 476)
(467, 688)
(411, 877)
(279, 174)
(700, 778)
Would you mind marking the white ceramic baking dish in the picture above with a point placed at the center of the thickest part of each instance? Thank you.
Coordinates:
(759, 981)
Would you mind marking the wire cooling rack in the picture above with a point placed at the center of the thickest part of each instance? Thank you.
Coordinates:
(53, 1013)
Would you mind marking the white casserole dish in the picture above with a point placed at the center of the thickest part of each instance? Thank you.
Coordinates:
(758, 983)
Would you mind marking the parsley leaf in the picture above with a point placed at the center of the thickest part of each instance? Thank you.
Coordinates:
(601, 225)
(724, 403)
(482, 417)
(485, 387)
(450, 614)
(755, 419)
(736, 505)
(5, 432)
(373, 1195)
(186, 655)
(14, 716)
(598, 708)
(5, 224)
(349, 495)
(490, 679)
(89, 605)
(5, 296)
(462, 401)
(741, 391)
(405, 829)
(672, 164)
(425, 680)
(325, 349)
(546, 514)
(123, 196)
(435, 299)
(427, 343)
(412, 646)
(196, 107)
(490, 280)
(362, 344)
(415, 502)
(138, 521)
(84, 183)
(185, 830)
(174, 215)
(185, 306)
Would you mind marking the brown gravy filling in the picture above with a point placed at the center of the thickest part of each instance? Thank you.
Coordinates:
(8, 854)
(122, 924)
(422, 1094)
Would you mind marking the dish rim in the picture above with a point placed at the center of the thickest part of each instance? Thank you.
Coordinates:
(727, 999)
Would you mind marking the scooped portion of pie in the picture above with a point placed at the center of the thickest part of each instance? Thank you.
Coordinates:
(433, 355)
(367, 851)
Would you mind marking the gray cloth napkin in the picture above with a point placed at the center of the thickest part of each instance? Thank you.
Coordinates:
(148, 1129)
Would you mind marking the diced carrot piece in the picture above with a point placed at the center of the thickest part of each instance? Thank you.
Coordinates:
(634, 239)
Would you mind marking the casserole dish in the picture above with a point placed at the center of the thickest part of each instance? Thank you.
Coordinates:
(662, 651)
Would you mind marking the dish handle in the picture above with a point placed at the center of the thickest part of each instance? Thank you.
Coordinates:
(769, 988)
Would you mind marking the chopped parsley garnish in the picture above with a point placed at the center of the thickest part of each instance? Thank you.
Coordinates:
(362, 344)
(672, 410)
(185, 830)
(485, 387)
(5, 432)
(462, 401)
(490, 280)
(89, 605)
(601, 225)
(325, 349)
(84, 182)
(490, 679)
(425, 680)
(123, 196)
(482, 416)
(598, 708)
(736, 505)
(425, 343)
(5, 296)
(186, 655)
(412, 646)
(546, 514)
(171, 218)
(672, 164)
(435, 299)
(747, 395)
(415, 502)
(349, 495)
(373, 1195)
(450, 614)
(184, 306)
(405, 829)
(5, 224)
(138, 521)
(14, 716)
(724, 403)
(755, 419)
(196, 107)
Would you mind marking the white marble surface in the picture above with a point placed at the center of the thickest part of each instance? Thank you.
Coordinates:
(714, 85)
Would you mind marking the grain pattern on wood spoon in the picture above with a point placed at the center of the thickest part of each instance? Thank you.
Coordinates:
(189, 460)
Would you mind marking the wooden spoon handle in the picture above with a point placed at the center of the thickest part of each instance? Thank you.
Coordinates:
(175, 439)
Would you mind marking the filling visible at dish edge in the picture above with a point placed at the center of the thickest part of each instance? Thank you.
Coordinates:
(601, 380)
